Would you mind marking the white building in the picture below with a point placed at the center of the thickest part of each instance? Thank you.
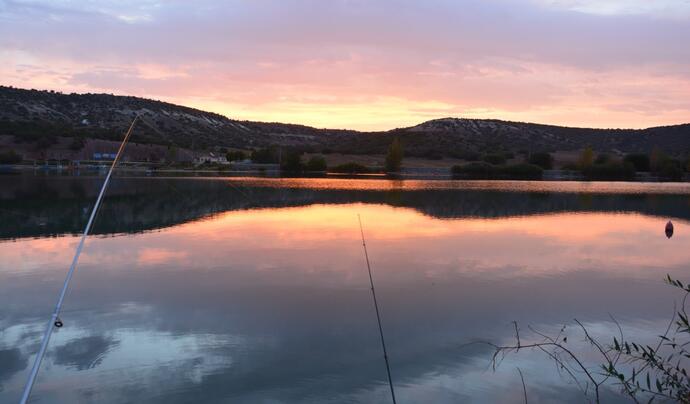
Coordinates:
(211, 158)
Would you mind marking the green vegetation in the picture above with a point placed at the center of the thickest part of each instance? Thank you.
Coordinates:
(495, 158)
(77, 143)
(316, 164)
(542, 159)
(670, 169)
(482, 170)
(645, 372)
(237, 155)
(171, 154)
(611, 170)
(639, 160)
(665, 166)
(602, 158)
(266, 155)
(586, 159)
(350, 168)
(292, 163)
(10, 157)
(394, 156)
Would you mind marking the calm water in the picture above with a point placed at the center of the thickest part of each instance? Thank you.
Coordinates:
(256, 290)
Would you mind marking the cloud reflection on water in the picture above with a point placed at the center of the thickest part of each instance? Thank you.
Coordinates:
(273, 304)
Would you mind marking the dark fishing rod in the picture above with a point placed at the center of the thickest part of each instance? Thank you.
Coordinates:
(376, 306)
(55, 321)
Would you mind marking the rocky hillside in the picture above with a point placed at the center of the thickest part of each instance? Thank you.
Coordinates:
(33, 116)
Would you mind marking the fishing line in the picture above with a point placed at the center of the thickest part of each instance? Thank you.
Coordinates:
(55, 321)
(376, 306)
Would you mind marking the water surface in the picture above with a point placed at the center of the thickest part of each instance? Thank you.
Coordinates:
(255, 290)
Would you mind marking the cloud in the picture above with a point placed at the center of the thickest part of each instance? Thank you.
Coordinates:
(354, 63)
(674, 9)
(84, 353)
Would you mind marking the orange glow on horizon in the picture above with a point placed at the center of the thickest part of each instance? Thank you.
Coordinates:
(326, 238)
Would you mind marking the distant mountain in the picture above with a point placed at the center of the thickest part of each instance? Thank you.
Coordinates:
(30, 115)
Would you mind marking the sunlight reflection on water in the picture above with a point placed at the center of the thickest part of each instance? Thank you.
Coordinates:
(256, 291)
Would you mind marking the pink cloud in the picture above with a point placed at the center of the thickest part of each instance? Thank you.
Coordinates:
(360, 64)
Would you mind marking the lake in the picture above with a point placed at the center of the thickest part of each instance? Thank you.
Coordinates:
(255, 290)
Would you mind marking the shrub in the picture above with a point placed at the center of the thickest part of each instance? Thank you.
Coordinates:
(639, 160)
(610, 171)
(482, 170)
(292, 163)
(316, 163)
(474, 170)
(45, 142)
(10, 157)
(586, 158)
(265, 156)
(237, 155)
(670, 169)
(542, 159)
(394, 156)
(77, 143)
(350, 168)
(602, 158)
(494, 158)
(522, 171)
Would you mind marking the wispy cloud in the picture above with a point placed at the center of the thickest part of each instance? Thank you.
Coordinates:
(363, 64)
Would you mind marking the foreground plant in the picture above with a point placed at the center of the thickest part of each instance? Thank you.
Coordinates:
(645, 373)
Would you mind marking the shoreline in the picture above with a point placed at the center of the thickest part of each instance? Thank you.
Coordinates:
(273, 171)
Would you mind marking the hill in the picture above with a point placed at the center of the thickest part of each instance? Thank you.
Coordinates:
(40, 116)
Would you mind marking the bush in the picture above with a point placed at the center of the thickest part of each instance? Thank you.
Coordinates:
(350, 168)
(316, 163)
(10, 157)
(45, 142)
(542, 159)
(522, 171)
(610, 171)
(586, 158)
(474, 170)
(77, 143)
(639, 160)
(481, 170)
(235, 155)
(670, 169)
(494, 158)
(293, 163)
(602, 158)
(394, 156)
(265, 156)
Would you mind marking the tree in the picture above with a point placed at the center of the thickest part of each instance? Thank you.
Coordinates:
(602, 158)
(656, 159)
(542, 159)
(639, 160)
(77, 143)
(235, 155)
(316, 164)
(586, 158)
(10, 157)
(394, 156)
(292, 163)
(495, 158)
(171, 154)
(264, 156)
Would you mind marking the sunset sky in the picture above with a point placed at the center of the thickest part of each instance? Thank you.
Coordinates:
(365, 64)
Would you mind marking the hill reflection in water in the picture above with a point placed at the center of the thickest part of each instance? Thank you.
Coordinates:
(255, 290)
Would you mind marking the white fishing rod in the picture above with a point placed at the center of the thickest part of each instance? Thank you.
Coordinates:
(378, 316)
(55, 321)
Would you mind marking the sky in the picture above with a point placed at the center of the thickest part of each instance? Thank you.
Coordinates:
(365, 64)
